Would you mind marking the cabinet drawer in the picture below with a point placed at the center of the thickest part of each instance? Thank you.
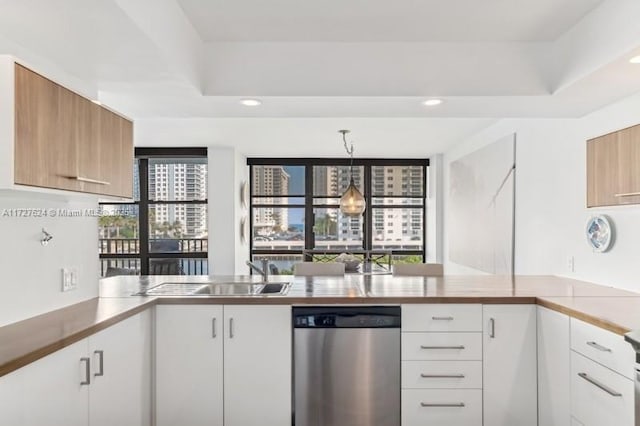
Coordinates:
(442, 317)
(605, 347)
(600, 396)
(442, 374)
(450, 407)
(442, 346)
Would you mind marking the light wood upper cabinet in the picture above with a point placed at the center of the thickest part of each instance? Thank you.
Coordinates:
(613, 168)
(65, 141)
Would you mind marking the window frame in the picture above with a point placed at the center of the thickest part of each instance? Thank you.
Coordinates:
(367, 164)
(144, 255)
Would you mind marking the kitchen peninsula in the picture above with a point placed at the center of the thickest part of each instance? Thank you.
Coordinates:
(605, 311)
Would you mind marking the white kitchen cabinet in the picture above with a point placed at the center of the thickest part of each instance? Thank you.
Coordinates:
(120, 390)
(604, 347)
(189, 365)
(257, 365)
(554, 366)
(62, 389)
(509, 365)
(442, 407)
(248, 345)
(48, 391)
(600, 396)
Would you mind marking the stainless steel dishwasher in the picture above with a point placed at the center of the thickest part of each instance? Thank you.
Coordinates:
(346, 366)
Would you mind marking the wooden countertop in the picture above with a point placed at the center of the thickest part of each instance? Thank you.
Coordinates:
(26, 341)
(613, 309)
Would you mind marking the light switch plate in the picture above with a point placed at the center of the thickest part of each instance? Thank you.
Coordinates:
(69, 279)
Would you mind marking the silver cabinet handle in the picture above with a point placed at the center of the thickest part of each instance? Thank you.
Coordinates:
(231, 328)
(89, 180)
(605, 388)
(598, 347)
(87, 371)
(492, 328)
(442, 347)
(627, 194)
(442, 318)
(442, 376)
(454, 404)
(213, 328)
(100, 363)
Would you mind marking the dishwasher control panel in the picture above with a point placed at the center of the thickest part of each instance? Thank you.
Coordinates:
(343, 317)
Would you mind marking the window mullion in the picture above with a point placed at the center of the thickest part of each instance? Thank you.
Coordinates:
(143, 215)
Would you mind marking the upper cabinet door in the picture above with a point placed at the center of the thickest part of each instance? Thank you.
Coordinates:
(44, 134)
(628, 166)
(65, 141)
(602, 171)
(613, 174)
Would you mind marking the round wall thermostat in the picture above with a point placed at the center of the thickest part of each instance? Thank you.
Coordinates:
(600, 233)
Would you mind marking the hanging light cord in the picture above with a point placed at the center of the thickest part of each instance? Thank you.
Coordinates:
(349, 151)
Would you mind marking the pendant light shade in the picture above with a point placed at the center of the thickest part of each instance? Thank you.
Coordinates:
(352, 202)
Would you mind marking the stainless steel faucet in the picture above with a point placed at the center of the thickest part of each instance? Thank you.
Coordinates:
(264, 271)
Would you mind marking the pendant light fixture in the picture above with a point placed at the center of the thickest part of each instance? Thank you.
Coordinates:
(352, 202)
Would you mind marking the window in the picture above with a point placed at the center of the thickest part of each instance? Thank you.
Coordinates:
(295, 209)
(163, 231)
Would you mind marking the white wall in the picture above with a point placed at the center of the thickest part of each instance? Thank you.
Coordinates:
(30, 280)
(227, 171)
(551, 208)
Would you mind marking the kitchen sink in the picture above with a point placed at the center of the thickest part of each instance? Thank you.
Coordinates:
(218, 289)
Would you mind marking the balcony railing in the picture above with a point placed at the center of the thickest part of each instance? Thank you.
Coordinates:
(121, 256)
(165, 245)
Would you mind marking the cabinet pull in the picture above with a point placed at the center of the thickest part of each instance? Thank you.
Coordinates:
(442, 376)
(598, 347)
(492, 328)
(230, 328)
(454, 404)
(213, 328)
(594, 382)
(89, 180)
(87, 371)
(442, 347)
(626, 194)
(100, 363)
(442, 318)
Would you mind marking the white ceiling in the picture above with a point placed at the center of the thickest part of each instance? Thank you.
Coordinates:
(384, 20)
(189, 62)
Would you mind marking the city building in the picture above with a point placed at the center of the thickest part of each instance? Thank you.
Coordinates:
(177, 182)
(270, 181)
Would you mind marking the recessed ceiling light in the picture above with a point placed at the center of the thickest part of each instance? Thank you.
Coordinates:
(432, 102)
(635, 60)
(95, 101)
(251, 102)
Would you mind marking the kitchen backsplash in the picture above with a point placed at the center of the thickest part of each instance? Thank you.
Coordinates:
(31, 273)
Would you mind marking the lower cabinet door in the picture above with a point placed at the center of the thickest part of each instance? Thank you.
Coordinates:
(510, 365)
(257, 365)
(120, 391)
(442, 407)
(554, 368)
(189, 375)
(49, 391)
(600, 396)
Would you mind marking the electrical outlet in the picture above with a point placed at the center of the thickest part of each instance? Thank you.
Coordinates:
(69, 279)
(571, 264)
